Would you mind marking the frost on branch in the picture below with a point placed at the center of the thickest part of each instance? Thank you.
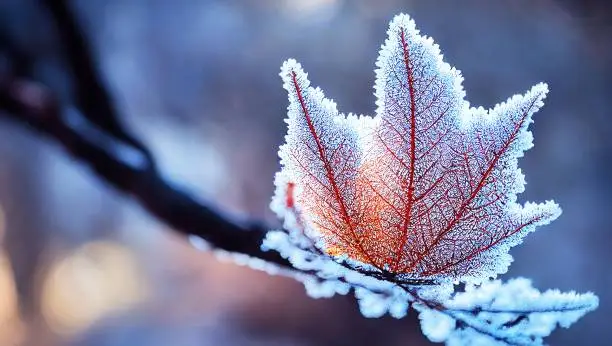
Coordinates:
(402, 205)
(499, 314)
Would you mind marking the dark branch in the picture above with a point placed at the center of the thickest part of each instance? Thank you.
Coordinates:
(91, 132)
(32, 104)
(91, 96)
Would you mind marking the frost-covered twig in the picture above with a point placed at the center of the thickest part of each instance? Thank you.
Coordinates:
(512, 313)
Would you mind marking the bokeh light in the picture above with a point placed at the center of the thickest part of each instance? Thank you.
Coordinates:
(95, 281)
(11, 327)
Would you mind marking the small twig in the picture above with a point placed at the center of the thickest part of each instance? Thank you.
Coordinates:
(456, 315)
(91, 96)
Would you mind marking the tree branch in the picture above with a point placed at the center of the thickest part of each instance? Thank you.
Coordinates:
(91, 96)
(90, 131)
(31, 104)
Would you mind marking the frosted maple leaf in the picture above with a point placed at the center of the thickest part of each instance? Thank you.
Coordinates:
(401, 205)
(426, 189)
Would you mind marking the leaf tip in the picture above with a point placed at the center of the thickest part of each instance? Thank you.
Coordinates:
(541, 87)
(402, 21)
(290, 65)
(292, 73)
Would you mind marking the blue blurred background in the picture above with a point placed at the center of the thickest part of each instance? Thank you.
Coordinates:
(198, 81)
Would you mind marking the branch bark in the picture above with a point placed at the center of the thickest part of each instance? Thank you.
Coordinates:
(90, 131)
(91, 95)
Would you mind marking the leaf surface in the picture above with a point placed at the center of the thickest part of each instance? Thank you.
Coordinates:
(425, 189)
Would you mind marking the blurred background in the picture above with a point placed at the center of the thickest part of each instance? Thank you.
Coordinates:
(197, 81)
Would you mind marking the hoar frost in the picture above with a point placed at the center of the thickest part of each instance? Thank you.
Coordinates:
(401, 206)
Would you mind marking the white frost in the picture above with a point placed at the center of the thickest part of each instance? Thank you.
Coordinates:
(512, 312)
(436, 325)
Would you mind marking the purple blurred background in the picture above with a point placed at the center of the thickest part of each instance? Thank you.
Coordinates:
(198, 81)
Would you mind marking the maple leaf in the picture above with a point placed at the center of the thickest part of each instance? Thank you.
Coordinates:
(424, 190)
(401, 206)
